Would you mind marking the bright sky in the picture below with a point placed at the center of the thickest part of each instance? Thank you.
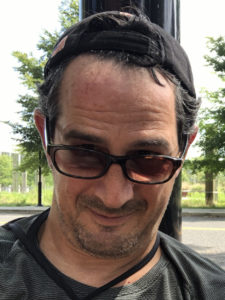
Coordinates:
(22, 22)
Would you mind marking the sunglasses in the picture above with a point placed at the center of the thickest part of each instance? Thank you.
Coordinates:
(84, 163)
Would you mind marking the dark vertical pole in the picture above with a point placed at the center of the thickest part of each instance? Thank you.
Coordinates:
(165, 13)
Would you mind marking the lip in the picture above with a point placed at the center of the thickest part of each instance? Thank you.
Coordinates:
(109, 220)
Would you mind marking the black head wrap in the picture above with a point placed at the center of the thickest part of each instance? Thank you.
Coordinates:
(137, 36)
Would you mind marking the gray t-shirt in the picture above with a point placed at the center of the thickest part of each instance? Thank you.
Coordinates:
(180, 273)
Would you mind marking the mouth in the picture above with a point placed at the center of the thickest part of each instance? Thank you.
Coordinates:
(109, 219)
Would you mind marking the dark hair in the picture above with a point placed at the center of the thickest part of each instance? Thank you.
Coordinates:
(186, 105)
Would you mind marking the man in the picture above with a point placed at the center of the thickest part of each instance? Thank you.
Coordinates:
(116, 118)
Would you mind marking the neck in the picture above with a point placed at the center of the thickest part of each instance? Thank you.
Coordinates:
(85, 268)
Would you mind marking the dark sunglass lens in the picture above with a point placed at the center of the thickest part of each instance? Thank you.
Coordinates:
(149, 168)
(80, 162)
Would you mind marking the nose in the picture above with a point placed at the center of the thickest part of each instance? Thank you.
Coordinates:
(114, 189)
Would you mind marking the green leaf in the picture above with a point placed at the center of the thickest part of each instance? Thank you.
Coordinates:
(30, 70)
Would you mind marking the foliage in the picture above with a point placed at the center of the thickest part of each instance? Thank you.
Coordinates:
(69, 12)
(212, 123)
(5, 170)
(195, 188)
(22, 199)
(197, 200)
(217, 58)
(30, 70)
(192, 176)
(212, 118)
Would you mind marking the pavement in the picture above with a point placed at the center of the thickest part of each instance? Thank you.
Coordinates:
(206, 212)
(22, 209)
(209, 212)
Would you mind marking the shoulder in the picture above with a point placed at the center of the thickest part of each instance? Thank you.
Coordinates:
(204, 278)
(8, 238)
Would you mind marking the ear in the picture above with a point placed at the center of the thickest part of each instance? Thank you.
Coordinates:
(39, 119)
(191, 139)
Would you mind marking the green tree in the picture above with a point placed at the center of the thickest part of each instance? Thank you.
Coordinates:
(30, 71)
(5, 170)
(212, 122)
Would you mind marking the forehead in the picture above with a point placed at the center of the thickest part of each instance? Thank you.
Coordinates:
(101, 95)
(89, 76)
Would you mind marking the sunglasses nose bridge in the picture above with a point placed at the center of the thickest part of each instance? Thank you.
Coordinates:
(119, 160)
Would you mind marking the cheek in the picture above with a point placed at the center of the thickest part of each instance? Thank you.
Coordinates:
(66, 190)
(157, 196)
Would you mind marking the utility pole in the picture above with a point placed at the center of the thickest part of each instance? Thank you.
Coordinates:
(165, 13)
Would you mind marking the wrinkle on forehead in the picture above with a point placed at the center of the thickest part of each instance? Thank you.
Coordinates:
(92, 77)
(112, 120)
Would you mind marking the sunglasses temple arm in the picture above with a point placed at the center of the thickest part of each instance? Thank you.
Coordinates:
(47, 134)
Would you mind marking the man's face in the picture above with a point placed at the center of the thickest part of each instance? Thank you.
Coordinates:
(116, 110)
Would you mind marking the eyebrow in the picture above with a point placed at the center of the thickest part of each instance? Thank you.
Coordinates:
(152, 142)
(75, 134)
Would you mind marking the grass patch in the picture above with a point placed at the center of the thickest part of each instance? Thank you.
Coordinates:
(197, 200)
(193, 199)
(25, 199)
